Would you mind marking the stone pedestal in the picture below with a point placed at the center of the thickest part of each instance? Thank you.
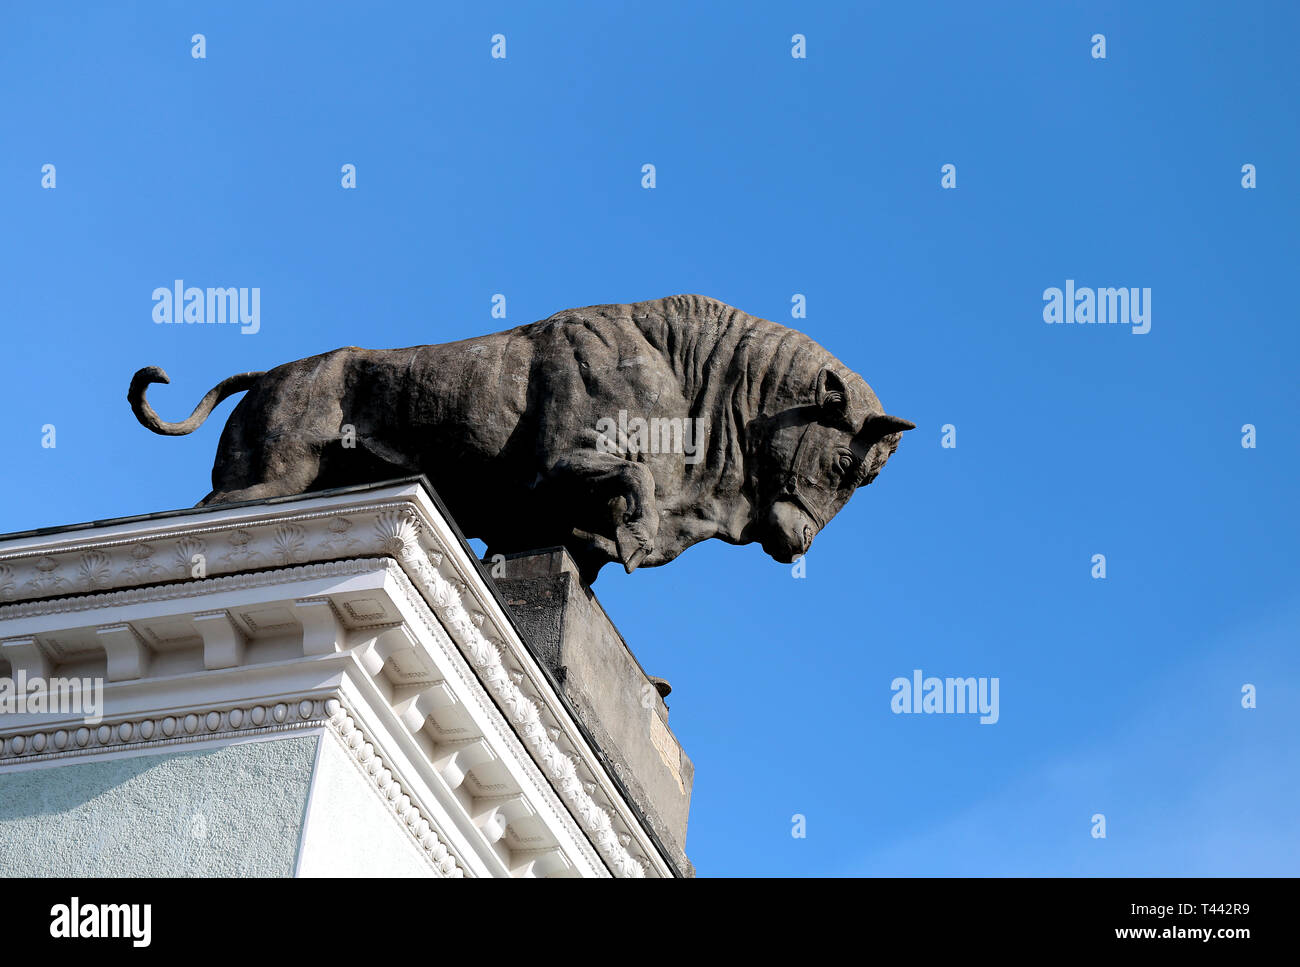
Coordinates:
(322, 685)
(621, 706)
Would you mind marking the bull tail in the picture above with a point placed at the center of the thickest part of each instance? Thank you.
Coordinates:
(154, 374)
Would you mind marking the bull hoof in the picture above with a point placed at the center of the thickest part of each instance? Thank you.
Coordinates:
(633, 545)
(634, 562)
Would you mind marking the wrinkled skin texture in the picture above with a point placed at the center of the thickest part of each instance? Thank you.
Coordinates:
(507, 427)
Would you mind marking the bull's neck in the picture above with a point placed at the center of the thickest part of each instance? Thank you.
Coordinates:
(720, 353)
(733, 368)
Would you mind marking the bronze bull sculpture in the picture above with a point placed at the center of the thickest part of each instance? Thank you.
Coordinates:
(623, 432)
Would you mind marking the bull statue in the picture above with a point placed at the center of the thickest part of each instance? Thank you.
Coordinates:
(622, 432)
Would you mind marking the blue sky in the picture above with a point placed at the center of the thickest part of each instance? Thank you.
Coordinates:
(775, 176)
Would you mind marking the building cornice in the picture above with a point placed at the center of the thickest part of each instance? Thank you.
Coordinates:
(397, 528)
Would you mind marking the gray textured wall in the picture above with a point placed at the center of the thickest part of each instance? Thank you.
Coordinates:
(233, 811)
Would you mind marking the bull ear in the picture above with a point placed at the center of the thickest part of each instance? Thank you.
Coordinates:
(832, 395)
(882, 424)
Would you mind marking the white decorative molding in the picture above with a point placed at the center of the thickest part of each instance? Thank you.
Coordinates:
(127, 655)
(189, 589)
(25, 655)
(408, 813)
(522, 713)
(159, 731)
(223, 642)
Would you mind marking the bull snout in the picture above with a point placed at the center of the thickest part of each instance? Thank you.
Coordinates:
(788, 531)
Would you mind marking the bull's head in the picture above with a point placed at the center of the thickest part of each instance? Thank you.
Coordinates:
(805, 462)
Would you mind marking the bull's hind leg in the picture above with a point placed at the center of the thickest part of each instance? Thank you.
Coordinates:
(274, 441)
(262, 491)
(278, 468)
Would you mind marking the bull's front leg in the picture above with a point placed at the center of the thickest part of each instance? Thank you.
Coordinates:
(621, 495)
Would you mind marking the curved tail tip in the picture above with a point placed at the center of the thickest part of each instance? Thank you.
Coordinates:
(151, 374)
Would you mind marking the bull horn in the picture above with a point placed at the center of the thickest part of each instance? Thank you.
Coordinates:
(886, 424)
